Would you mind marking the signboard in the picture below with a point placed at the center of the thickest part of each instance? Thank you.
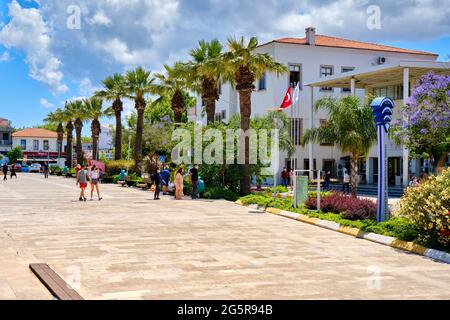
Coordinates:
(301, 189)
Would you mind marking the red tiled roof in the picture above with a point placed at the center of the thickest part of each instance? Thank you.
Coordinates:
(4, 122)
(35, 133)
(326, 41)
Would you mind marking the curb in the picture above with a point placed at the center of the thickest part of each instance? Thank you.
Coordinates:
(392, 242)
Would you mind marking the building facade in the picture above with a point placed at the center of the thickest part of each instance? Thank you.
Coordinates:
(38, 145)
(5, 136)
(308, 58)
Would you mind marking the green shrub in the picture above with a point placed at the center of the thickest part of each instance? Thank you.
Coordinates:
(220, 193)
(428, 207)
(401, 228)
(280, 189)
(116, 166)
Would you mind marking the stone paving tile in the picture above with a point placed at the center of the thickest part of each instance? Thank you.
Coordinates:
(130, 247)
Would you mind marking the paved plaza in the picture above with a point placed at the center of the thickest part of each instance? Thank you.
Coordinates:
(128, 246)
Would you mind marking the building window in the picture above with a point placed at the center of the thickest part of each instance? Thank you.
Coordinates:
(296, 130)
(344, 70)
(23, 144)
(323, 122)
(36, 145)
(219, 88)
(393, 92)
(6, 138)
(220, 116)
(294, 75)
(326, 71)
(46, 145)
(262, 83)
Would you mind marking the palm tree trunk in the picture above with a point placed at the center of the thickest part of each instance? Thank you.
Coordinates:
(95, 129)
(79, 148)
(245, 106)
(117, 107)
(69, 128)
(140, 107)
(210, 110)
(354, 175)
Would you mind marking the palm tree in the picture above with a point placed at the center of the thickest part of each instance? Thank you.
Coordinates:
(139, 82)
(242, 66)
(80, 115)
(57, 118)
(68, 116)
(114, 90)
(203, 74)
(95, 111)
(172, 85)
(350, 127)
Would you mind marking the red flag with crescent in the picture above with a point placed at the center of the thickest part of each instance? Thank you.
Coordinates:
(287, 102)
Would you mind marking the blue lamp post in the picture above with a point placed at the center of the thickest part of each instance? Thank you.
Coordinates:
(382, 109)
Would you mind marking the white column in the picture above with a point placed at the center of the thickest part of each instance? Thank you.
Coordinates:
(405, 150)
(311, 125)
(353, 86)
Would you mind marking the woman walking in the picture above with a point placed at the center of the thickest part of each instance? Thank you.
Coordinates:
(94, 177)
(179, 184)
(82, 180)
(13, 171)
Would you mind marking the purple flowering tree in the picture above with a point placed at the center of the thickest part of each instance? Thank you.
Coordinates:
(426, 129)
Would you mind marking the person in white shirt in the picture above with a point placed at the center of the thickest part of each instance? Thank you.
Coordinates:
(346, 183)
(94, 178)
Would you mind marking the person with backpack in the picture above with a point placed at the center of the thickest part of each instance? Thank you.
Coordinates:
(82, 181)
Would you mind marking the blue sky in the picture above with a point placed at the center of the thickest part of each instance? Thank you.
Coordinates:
(43, 62)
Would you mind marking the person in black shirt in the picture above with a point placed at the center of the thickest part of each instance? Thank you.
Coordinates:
(5, 171)
(157, 180)
(194, 179)
(13, 171)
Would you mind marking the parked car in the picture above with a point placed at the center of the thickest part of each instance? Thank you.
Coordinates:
(35, 167)
(25, 168)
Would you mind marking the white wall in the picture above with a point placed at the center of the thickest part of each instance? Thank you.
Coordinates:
(310, 58)
(29, 148)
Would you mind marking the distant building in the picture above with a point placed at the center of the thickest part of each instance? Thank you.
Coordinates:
(5, 136)
(38, 145)
(105, 144)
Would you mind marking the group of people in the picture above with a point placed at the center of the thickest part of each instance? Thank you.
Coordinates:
(179, 183)
(85, 175)
(12, 170)
(287, 177)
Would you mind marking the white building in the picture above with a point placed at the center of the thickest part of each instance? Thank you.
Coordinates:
(38, 145)
(309, 58)
(105, 144)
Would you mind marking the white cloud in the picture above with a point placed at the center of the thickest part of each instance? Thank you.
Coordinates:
(44, 103)
(87, 89)
(28, 32)
(100, 19)
(4, 57)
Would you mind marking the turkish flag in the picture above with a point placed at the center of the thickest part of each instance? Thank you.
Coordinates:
(287, 102)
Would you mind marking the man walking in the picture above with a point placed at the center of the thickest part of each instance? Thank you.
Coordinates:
(5, 171)
(157, 180)
(284, 177)
(46, 170)
(193, 173)
(327, 180)
(346, 184)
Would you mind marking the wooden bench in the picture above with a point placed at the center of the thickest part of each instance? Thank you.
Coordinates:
(54, 283)
(145, 184)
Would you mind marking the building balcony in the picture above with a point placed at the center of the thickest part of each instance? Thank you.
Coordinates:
(5, 143)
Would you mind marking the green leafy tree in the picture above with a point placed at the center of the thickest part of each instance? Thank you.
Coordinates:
(172, 85)
(114, 89)
(15, 154)
(203, 73)
(95, 111)
(138, 84)
(350, 127)
(56, 119)
(242, 66)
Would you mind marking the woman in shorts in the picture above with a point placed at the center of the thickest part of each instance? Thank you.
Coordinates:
(94, 178)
